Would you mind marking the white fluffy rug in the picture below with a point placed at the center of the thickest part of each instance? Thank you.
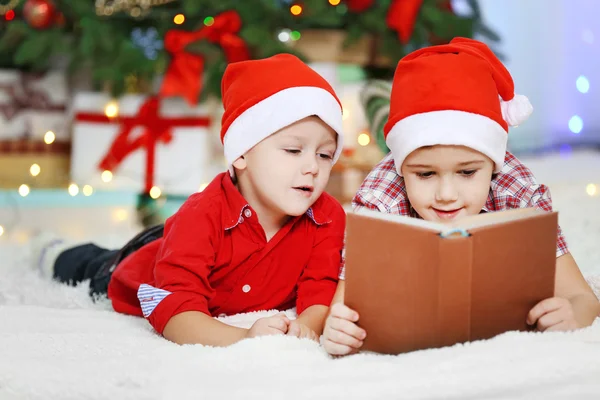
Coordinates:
(56, 344)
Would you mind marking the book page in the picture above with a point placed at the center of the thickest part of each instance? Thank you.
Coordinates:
(498, 217)
(401, 219)
(466, 223)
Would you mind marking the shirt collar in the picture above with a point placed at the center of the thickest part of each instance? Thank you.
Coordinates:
(320, 211)
(237, 205)
(489, 203)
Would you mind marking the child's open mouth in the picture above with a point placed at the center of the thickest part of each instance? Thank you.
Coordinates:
(304, 190)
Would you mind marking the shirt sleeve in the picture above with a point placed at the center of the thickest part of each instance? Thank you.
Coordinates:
(538, 196)
(363, 200)
(318, 282)
(183, 265)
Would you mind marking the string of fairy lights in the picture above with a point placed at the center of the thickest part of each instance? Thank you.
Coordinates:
(135, 8)
(111, 110)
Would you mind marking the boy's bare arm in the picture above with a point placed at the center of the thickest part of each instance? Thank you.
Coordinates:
(338, 297)
(571, 285)
(314, 317)
(194, 327)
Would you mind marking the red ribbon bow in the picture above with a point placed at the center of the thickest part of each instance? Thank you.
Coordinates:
(156, 129)
(184, 74)
(401, 15)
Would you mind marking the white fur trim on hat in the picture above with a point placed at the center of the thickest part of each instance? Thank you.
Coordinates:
(448, 127)
(278, 111)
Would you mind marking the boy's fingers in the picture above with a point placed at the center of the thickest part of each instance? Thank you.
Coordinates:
(561, 326)
(549, 320)
(543, 307)
(343, 339)
(282, 316)
(314, 336)
(343, 311)
(294, 329)
(275, 331)
(278, 323)
(349, 328)
(336, 349)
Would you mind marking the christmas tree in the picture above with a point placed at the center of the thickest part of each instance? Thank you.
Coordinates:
(130, 42)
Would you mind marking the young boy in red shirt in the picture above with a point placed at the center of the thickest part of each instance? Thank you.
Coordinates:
(451, 106)
(262, 236)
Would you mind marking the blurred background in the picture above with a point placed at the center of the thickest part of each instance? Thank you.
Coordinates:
(110, 109)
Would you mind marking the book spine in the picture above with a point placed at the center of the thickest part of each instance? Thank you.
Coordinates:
(454, 289)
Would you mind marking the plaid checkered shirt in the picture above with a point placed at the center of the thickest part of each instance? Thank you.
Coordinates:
(513, 187)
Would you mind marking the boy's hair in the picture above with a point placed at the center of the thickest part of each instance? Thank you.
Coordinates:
(454, 94)
(260, 97)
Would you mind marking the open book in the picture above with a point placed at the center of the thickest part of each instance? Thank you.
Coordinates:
(418, 284)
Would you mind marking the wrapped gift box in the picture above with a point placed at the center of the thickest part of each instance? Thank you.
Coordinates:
(30, 106)
(33, 104)
(184, 156)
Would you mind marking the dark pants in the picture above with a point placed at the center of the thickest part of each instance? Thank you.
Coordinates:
(85, 262)
(97, 264)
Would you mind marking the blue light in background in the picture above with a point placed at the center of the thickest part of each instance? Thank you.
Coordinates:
(565, 150)
(576, 124)
(583, 84)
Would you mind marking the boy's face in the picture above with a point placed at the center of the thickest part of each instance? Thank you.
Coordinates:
(444, 183)
(288, 171)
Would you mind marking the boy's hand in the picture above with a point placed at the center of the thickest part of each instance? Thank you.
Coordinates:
(276, 325)
(341, 334)
(302, 331)
(553, 314)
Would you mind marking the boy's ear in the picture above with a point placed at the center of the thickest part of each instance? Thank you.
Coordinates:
(240, 163)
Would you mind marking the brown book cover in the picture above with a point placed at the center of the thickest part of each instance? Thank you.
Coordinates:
(418, 284)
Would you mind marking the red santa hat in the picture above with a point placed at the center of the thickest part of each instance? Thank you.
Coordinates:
(453, 94)
(260, 97)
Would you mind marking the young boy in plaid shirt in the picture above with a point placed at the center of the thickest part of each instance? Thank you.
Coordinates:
(450, 109)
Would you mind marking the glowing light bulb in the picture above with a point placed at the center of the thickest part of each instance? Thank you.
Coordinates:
(87, 190)
(364, 139)
(576, 124)
(107, 176)
(120, 215)
(583, 84)
(155, 192)
(73, 189)
(23, 190)
(591, 189)
(35, 170)
(49, 137)
(112, 109)
(296, 9)
(284, 35)
(345, 113)
(179, 19)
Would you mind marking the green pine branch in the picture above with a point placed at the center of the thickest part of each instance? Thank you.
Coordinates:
(103, 44)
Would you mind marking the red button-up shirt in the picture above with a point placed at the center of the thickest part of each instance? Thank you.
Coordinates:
(214, 258)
